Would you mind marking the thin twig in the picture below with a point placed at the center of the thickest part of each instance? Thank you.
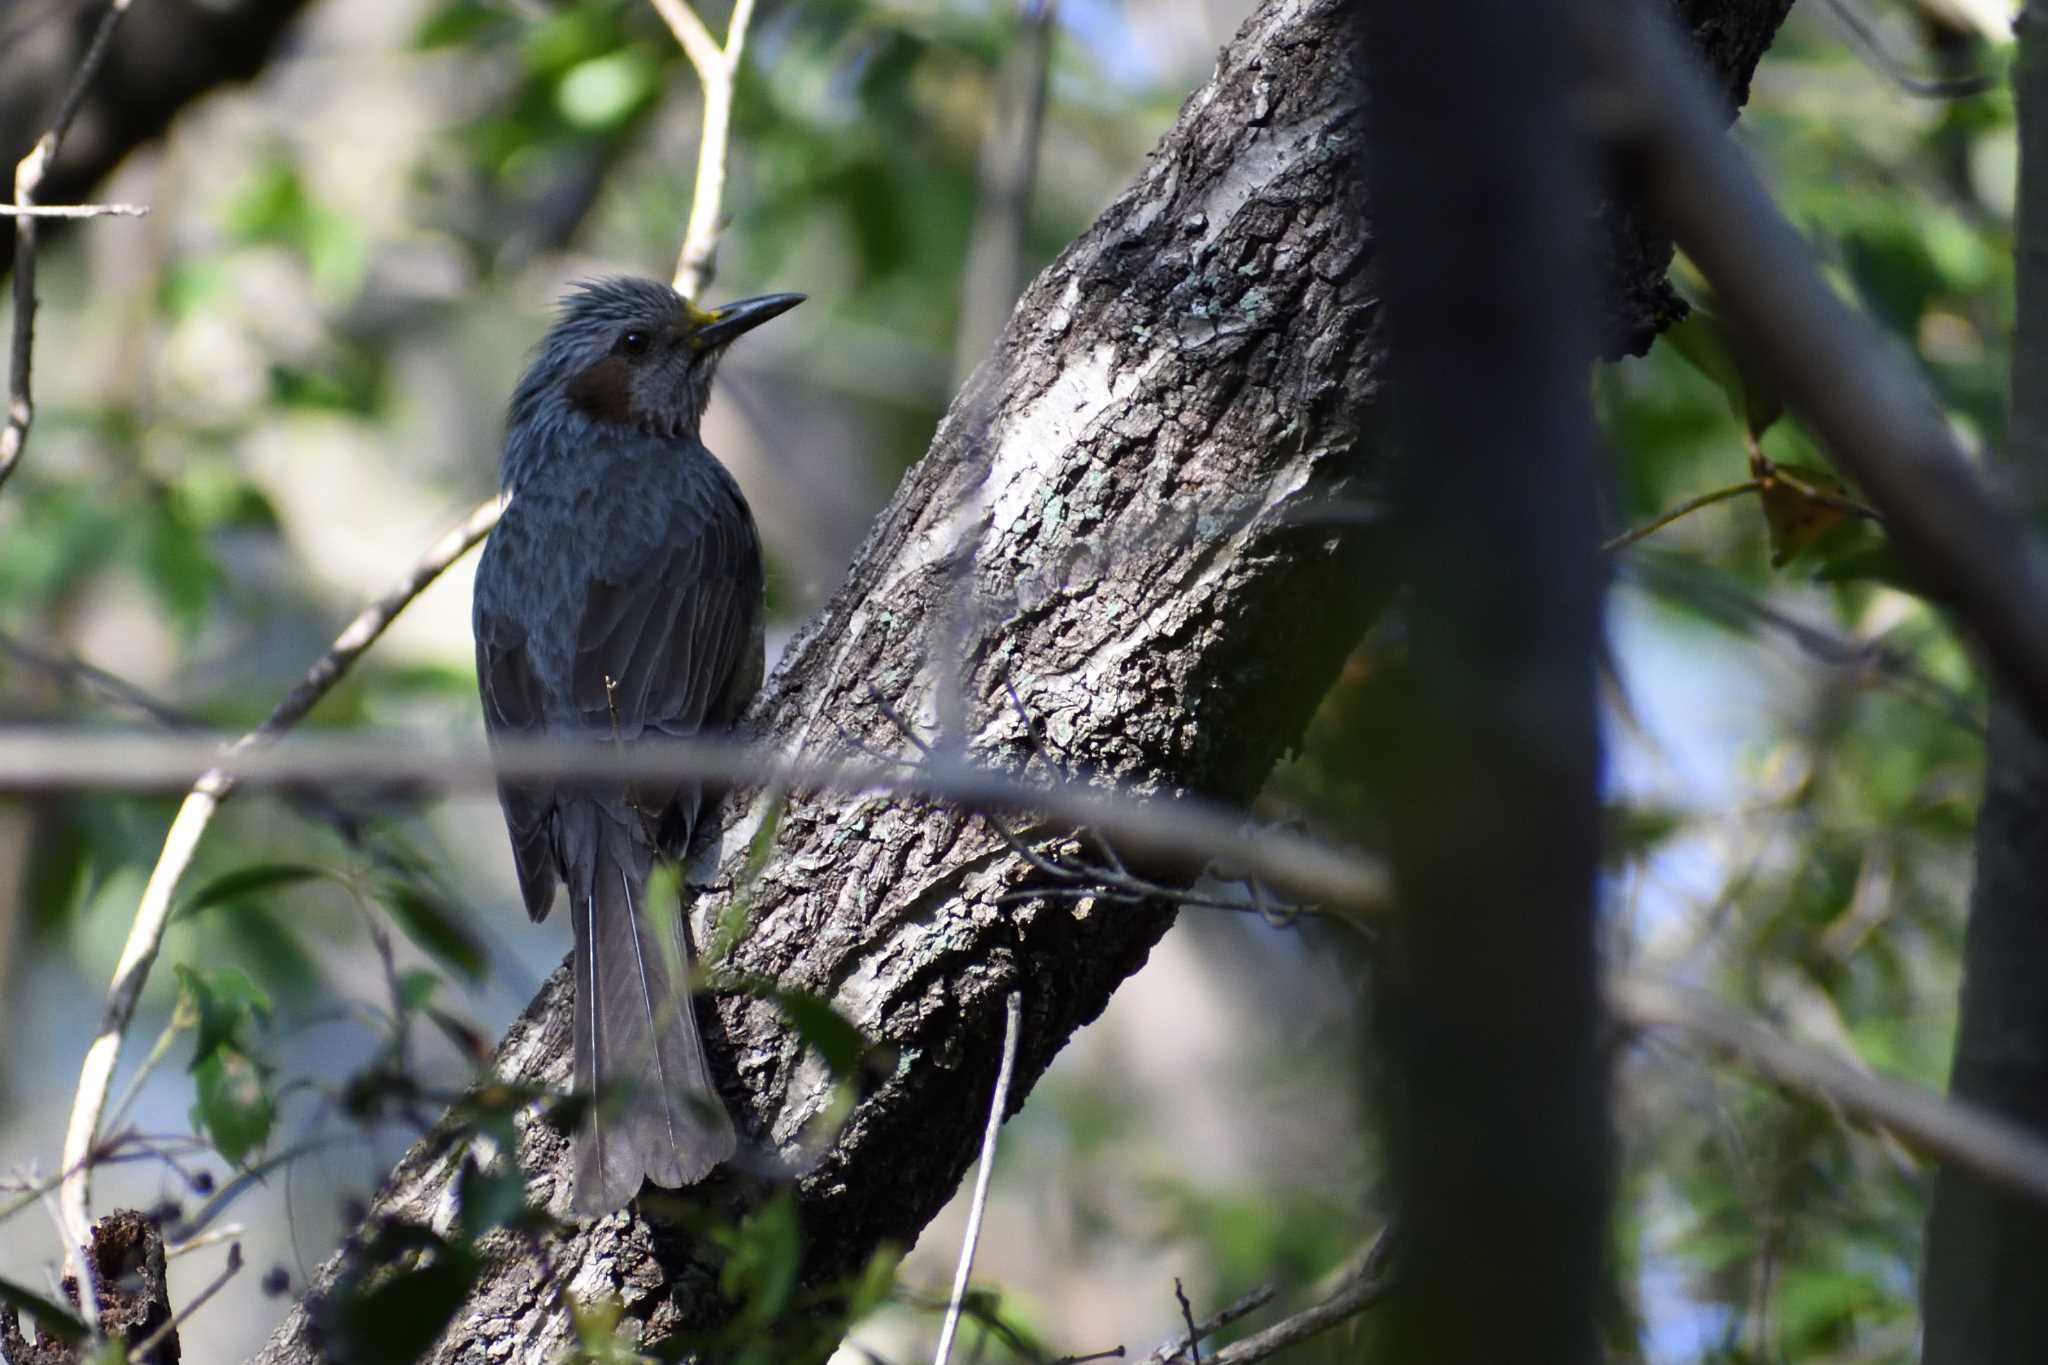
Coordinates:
(717, 71)
(1013, 1023)
(80, 1262)
(1187, 1317)
(1214, 1323)
(1359, 1289)
(215, 785)
(1865, 36)
(28, 178)
(76, 674)
(73, 210)
(1184, 829)
(149, 1343)
(1736, 609)
(227, 1232)
(1684, 509)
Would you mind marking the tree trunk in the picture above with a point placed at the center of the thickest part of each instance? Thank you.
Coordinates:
(1161, 494)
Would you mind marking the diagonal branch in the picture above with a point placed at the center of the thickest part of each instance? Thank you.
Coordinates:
(153, 913)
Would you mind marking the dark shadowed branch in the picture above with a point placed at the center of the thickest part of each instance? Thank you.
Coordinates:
(1495, 1103)
(1985, 1247)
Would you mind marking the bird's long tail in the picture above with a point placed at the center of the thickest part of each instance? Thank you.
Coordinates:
(637, 1047)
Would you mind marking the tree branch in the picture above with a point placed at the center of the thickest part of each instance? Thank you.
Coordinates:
(73, 210)
(1985, 1248)
(1182, 832)
(1359, 1291)
(28, 178)
(717, 69)
(1487, 1005)
(1963, 1137)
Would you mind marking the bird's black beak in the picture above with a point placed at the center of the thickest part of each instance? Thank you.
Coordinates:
(733, 319)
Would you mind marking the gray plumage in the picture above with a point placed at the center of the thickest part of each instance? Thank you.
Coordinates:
(619, 600)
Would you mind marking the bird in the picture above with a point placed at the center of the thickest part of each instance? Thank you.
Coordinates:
(619, 600)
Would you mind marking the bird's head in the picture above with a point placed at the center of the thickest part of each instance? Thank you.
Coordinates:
(633, 354)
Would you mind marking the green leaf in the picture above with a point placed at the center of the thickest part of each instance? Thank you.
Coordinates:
(1703, 340)
(234, 1107)
(51, 1318)
(602, 93)
(222, 1002)
(1878, 563)
(824, 1028)
(416, 988)
(454, 24)
(245, 882)
(876, 1284)
(397, 1302)
(490, 1201)
(764, 1251)
(179, 564)
(232, 1104)
(437, 927)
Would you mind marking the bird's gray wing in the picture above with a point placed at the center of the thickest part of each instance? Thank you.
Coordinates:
(657, 649)
(515, 704)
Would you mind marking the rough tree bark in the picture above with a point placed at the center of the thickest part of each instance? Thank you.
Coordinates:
(1171, 551)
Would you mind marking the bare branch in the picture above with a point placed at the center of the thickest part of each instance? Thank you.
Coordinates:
(717, 68)
(1211, 1325)
(1684, 509)
(215, 785)
(698, 45)
(1866, 39)
(73, 210)
(1182, 831)
(1961, 1135)
(28, 177)
(1844, 380)
(1013, 1017)
(1359, 1289)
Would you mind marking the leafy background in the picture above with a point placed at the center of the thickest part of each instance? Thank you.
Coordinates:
(263, 400)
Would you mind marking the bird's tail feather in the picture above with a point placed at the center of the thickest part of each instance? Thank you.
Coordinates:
(637, 1047)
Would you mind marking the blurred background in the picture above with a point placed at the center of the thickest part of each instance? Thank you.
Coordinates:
(261, 402)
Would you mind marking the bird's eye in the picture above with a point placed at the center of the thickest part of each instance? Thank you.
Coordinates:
(633, 342)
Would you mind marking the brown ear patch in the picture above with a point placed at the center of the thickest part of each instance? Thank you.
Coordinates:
(604, 391)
